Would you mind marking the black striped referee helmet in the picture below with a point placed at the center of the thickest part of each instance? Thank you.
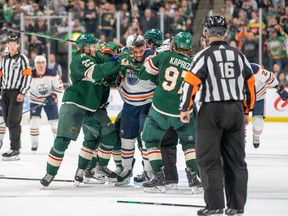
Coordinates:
(13, 37)
(216, 26)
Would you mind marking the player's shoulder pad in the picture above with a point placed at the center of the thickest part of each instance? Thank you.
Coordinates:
(255, 67)
(50, 72)
(149, 52)
(34, 73)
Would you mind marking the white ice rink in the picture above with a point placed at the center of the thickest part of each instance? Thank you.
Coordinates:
(268, 183)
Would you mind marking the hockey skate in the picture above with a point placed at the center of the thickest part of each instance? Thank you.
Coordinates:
(125, 176)
(193, 181)
(234, 211)
(90, 178)
(11, 155)
(256, 141)
(105, 174)
(156, 184)
(119, 169)
(79, 177)
(46, 180)
(172, 186)
(207, 211)
(34, 146)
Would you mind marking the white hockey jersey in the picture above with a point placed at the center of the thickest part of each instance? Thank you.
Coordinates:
(135, 91)
(263, 78)
(42, 86)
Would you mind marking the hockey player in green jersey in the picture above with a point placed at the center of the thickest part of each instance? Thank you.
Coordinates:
(164, 112)
(110, 52)
(80, 108)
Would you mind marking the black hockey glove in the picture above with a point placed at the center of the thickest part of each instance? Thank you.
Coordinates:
(282, 92)
(51, 99)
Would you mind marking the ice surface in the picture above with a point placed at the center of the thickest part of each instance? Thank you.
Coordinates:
(268, 183)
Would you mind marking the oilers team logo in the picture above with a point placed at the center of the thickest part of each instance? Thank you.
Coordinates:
(15, 65)
(43, 88)
(131, 78)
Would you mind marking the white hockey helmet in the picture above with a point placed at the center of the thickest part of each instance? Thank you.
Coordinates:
(139, 41)
(165, 46)
(39, 58)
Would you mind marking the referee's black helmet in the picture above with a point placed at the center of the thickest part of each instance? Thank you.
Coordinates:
(13, 37)
(216, 26)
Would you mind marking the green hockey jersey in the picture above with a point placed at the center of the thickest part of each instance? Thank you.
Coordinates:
(170, 67)
(87, 76)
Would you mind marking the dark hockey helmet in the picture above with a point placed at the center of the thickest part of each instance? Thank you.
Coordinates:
(154, 35)
(183, 40)
(13, 37)
(216, 26)
(86, 40)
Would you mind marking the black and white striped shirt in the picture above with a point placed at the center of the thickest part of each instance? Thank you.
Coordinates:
(223, 72)
(15, 73)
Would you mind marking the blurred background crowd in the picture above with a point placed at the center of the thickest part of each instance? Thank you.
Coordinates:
(99, 17)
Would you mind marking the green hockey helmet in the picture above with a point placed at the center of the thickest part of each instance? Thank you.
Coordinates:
(86, 40)
(155, 35)
(183, 40)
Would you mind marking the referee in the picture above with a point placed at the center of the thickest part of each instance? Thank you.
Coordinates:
(15, 78)
(227, 79)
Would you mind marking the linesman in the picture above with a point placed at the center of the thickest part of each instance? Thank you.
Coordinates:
(228, 92)
(15, 78)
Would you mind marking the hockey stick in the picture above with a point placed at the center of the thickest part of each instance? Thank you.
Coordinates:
(39, 105)
(32, 179)
(160, 203)
(7, 30)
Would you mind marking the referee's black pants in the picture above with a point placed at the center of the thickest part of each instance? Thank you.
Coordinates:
(220, 152)
(12, 114)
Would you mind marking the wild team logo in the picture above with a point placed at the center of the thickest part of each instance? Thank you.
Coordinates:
(132, 79)
(43, 88)
(15, 65)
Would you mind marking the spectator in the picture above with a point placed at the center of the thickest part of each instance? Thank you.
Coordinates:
(107, 21)
(147, 21)
(280, 75)
(36, 45)
(250, 48)
(276, 48)
(41, 27)
(54, 65)
(178, 23)
(91, 17)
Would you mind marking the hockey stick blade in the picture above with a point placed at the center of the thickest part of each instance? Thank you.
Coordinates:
(33, 179)
(3, 31)
(41, 35)
(160, 203)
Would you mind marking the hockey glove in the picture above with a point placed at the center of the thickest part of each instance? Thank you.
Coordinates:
(114, 58)
(282, 92)
(51, 99)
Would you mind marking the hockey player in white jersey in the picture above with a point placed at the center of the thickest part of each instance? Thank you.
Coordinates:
(137, 95)
(46, 86)
(263, 78)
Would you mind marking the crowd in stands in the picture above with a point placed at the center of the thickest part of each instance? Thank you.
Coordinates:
(98, 17)
(243, 17)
